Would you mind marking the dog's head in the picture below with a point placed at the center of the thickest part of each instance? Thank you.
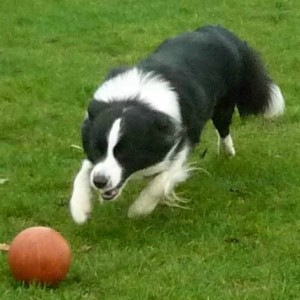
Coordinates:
(122, 138)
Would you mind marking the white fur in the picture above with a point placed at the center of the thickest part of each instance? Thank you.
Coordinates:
(276, 105)
(148, 87)
(80, 203)
(162, 185)
(109, 167)
(225, 145)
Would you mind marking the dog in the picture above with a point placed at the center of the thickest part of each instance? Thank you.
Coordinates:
(145, 120)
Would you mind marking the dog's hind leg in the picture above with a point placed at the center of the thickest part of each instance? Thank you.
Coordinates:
(225, 145)
(80, 203)
(222, 120)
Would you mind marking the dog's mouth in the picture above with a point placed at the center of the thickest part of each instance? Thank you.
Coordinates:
(110, 194)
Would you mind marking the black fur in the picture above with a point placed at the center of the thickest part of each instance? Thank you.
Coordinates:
(147, 135)
(212, 71)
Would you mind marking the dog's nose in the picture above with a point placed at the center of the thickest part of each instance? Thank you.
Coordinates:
(100, 181)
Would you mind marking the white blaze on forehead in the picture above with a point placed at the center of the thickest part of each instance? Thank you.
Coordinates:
(110, 167)
(113, 136)
(148, 87)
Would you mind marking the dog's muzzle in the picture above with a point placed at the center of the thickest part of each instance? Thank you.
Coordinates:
(110, 194)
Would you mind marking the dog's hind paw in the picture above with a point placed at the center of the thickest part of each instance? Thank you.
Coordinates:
(226, 146)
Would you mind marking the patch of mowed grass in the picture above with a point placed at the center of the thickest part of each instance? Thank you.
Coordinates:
(240, 238)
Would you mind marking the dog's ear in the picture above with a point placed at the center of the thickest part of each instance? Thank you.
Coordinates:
(168, 126)
(162, 122)
(95, 107)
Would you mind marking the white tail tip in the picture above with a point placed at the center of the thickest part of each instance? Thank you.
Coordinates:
(276, 104)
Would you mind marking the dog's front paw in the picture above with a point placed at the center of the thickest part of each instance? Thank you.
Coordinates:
(80, 213)
(140, 209)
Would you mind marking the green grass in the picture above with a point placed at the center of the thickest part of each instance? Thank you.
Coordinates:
(240, 240)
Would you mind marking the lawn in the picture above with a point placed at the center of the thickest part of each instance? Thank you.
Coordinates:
(240, 237)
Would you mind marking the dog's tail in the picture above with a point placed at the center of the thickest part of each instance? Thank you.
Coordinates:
(258, 93)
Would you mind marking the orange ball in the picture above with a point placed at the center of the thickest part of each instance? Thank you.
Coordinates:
(41, 255)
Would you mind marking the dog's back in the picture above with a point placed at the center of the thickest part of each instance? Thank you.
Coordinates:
(213, 71)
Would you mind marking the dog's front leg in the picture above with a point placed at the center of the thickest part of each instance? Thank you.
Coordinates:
(162, 185)
(149, 197)
(80, 203)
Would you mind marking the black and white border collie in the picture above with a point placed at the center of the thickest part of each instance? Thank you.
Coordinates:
(144, 120)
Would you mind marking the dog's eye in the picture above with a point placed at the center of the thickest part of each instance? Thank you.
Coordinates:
(96, 153)
(119, 149)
